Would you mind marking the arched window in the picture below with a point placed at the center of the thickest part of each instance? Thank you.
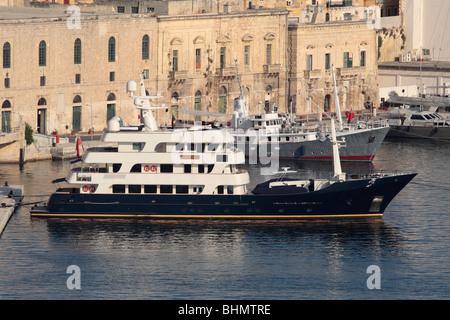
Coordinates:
(111, 97)
(77, 52)
(6, 104)
(42, 102)
(145, 47)
(111, 49)
(6, 55)
(77, 99)
(42, 54)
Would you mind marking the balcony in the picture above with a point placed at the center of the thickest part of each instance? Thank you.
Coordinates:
(271, 68)
(226, 72)
(350, 72)
(178, 75)
(313, 74)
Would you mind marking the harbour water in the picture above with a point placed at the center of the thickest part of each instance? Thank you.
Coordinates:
(223, 259)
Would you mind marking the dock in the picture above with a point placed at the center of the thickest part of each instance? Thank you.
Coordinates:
(10, 198)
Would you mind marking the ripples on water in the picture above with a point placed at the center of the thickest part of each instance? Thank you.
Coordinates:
(221, 259)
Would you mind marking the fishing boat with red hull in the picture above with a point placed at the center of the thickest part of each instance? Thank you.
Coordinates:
(192, 173)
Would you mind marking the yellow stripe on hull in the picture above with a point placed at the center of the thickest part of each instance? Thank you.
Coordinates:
(205, 216)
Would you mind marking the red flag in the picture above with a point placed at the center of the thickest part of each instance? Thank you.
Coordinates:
(350, 116)
(78, 146)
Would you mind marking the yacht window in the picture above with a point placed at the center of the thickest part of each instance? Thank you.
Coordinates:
(192, 147)
(134, 188)
(210, 167)
(259, 123)
(150, 188)
(116, 167)
(427, 116)
(179, 146)
(136, 168)
(182, 189)
(166, 168)
(187, 168)
(118, 188)
(287, 138)
(213, 147)
(230, 189)
(137, 146)
(220, 189)
(221, 158)
(165, 188)
(161, 147)
(201, 168)
(416, 117)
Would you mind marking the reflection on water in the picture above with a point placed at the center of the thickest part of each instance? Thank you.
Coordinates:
(233, 259)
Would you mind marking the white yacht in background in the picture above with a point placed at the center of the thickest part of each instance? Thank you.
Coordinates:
(417, 124)
(287, 140)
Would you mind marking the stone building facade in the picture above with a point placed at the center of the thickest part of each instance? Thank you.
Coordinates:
(353, 53)
(67, 72)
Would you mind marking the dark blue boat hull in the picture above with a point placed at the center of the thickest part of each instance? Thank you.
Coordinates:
(367, 197)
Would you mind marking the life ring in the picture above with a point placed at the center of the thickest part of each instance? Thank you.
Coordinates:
(85, 188)
(153, 168)
(92, 189)
(146, 168)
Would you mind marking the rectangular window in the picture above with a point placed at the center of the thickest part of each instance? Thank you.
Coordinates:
(221, 158)
(165, 188)
(175, 60)
(222, 57)
(201, 168)
(363, 59)
(42, 81)
(220, 189)
(112, 76)
(167, 168)
(348, 60)
(137, 146)
(150, 188)
(118, 188)
(6, 55)
(269, 54)
(77, 78)
(136, 168)
(120, 9)
(134, 9)
(327, 61)
(247, 56)
(187, 168)
(182, 189)
(197, 58)
(309, 62)
(7, 82)
(134, 188)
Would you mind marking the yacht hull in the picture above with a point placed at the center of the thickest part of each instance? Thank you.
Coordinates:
(418, 132)
(360, 146)
(365, 197)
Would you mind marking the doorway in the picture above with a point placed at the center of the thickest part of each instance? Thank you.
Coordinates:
(76, 119)
(41, 121)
